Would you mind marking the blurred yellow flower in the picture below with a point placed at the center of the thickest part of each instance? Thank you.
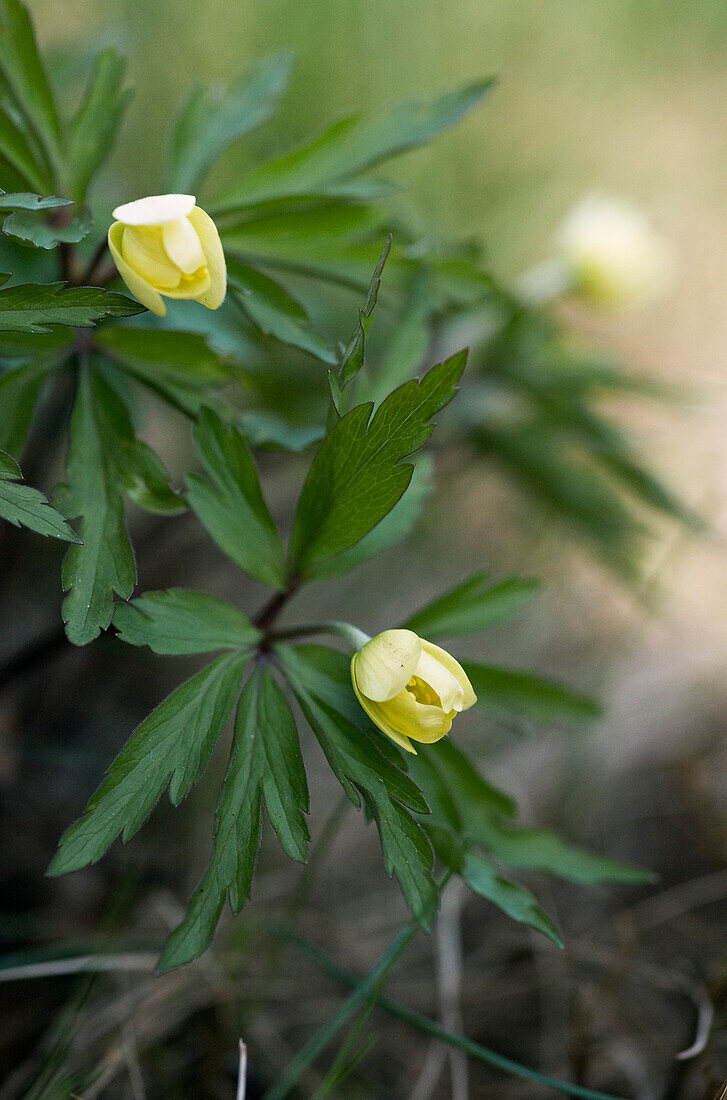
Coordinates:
(614, 256)
(165, 245)
(410, 688)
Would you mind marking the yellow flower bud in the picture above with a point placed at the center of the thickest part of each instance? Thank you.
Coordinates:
(615, 257)
(410, 688)
(165, 245)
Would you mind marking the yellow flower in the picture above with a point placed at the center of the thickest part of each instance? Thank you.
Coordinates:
(614, 256)
(164, 244)
(409, 688)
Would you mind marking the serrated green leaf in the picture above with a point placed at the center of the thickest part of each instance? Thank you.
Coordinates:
(22, 68)
(274, 312)
(105, 461)
(468, 608)
(26, 507)
(367, 775)
(409, 342)
(539, 850)
(450, 776)
(211, 120)
(25, 200)
(394, 527)
(33, 308)
(97, 121)
(172, 746)
(230, 506)
(514, 900)
(19, 392)
(352, 359)
(27, 228)
(180, 366)
(352, 146)
(178, 621)
(265, 760)
(504, 691)
(356, 477)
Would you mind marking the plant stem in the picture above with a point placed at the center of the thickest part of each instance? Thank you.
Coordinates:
(270, 611)
(355, 637)
(430, 1027)
(94, 262)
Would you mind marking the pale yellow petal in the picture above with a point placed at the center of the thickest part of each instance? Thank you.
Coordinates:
(139, 287)
(455, 668)
(214, 256)
(418, 721)
(155, 209)
(372, 709)
(191, 286)
(142, 248)
(182, 246)
(383, 666)
(434, 672)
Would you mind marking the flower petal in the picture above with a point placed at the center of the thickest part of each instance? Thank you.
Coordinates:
(455, 668)
(405, 717)
(373, 709)
(214, 256)
(138, 286)
(182, 245)
(155, 209)
(434, 672)
(383, 667)
(142, 248)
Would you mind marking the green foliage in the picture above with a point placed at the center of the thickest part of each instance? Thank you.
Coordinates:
(504, 692)
(211, 120)
(265, 765)
(105, 461)
(230, 506)
(178, 622)
(19, 392)
(26, 228)
(25, 200)
(178, 737)
(468, 607)
(32, 308)
(514, 900)
(26, 507)
(97, 120)
(356, 477)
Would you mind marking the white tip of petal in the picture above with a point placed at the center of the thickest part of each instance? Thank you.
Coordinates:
(155, 209)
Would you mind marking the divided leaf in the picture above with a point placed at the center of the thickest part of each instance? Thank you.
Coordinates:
(26, 507)
(506, 692)
(106, 460)
(265, 764)
(178, 622)
(25, 200)
(230, 505)
(31, 229)
(211, 120)
(366, 774)
(351, 146)
(97, 120)
(33, 308)
(356, 477)
(468, 607)
(514, 900)
(19, 392)
(172, 746)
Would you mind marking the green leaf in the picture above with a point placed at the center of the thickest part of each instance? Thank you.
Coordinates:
(97, 121)
(449, 776)
(367, 775)
(394, 527)
(230, 506)
(26, 507)
(177, 622)
(356, 477)
(468, 608)
(538, 850)
(352, 146)
(211, 120)
(180, 366)
(26, 228)
(19, 392)
(352, 359)
(105, 461)
(267, 430)
(171, 748)
(22, 68)
(17, 155)
(505, 692)
(274, 312)
(409, 342)
(265, 762)
(32, 308)
(514, 900)
(24, 200)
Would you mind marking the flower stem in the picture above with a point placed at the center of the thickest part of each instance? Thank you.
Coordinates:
(351, 634)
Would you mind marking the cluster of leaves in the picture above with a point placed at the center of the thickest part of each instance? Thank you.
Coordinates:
(297, 231)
